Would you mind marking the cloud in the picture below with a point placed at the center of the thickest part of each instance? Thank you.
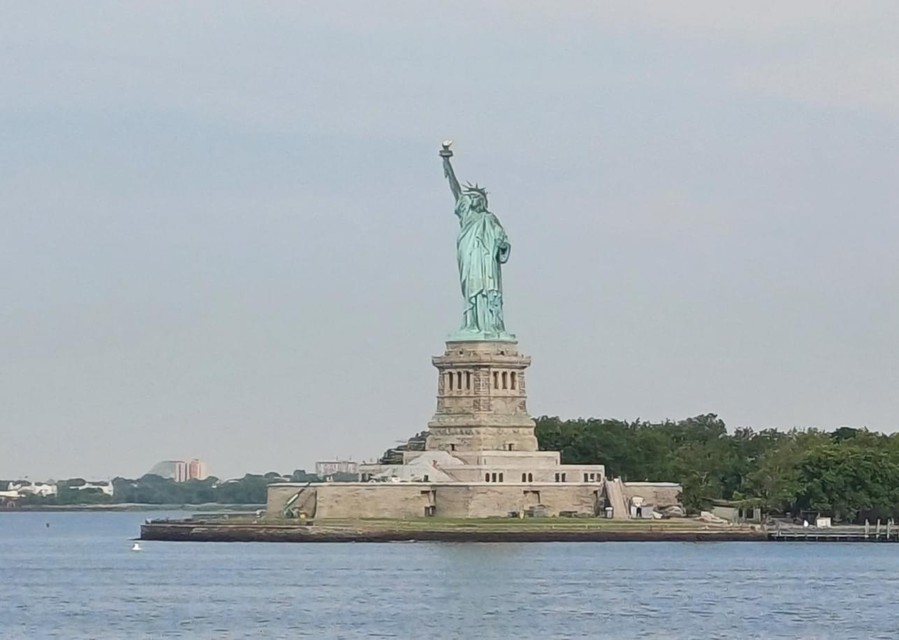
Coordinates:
(228, 203)
(863, 81)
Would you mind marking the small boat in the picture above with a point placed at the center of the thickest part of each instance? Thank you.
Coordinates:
(136, 547)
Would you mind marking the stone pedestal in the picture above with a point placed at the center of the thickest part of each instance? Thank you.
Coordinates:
(481, 399)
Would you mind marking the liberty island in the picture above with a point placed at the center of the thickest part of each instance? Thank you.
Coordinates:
(481, 458)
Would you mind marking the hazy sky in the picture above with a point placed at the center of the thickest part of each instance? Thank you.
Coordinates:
(226, 233)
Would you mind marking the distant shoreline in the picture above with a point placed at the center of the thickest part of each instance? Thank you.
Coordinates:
(133, 507)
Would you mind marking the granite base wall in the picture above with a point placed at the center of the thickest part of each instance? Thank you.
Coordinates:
(355, 500)
(495, 500)
(455, 500)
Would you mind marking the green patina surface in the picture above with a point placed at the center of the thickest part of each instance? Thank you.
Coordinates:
(482, 247)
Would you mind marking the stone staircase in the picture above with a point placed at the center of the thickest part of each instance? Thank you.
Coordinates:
(615, 495)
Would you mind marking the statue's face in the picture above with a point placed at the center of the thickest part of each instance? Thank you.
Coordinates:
(478, 202)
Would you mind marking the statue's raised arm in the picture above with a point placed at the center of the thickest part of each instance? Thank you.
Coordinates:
(446, 154)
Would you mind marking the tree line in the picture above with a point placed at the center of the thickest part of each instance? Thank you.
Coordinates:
(849, 473)
(153, 489)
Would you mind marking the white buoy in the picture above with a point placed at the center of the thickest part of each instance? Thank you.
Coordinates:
(136, 547)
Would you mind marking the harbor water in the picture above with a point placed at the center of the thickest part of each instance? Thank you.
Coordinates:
(75, 576)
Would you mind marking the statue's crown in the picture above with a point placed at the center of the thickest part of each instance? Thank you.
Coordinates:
(474, 188)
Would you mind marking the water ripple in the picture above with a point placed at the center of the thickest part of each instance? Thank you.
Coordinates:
(78, 579)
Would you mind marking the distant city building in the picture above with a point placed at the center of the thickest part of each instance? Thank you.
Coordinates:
(103, 486)
(196, 470)
(181, 471)
(172, 469)
(330, 467)
(80, 484)
(26, 488)
(8, 498)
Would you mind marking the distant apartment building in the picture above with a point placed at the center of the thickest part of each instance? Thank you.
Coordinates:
(172, 469)
(181, 471)
(196, 470)
(330, 467)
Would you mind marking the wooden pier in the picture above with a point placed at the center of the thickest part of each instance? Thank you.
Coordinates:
(878, 532)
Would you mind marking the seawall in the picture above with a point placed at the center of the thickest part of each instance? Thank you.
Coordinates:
(433, 532)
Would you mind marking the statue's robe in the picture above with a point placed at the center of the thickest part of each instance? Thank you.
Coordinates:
(482, 246)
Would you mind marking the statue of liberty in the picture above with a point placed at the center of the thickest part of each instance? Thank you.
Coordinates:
(481, 248)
